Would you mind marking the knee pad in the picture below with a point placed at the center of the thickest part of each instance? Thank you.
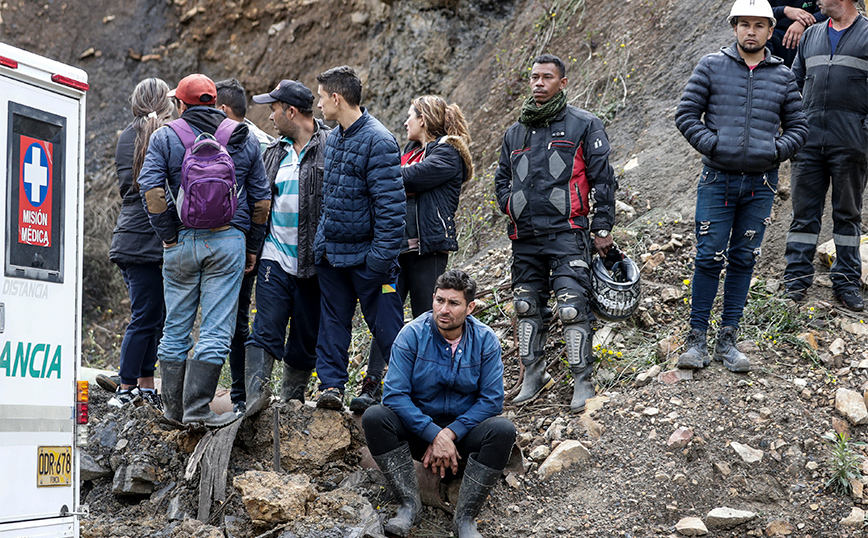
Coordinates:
(529, 340)
(525, 302)
(578, 340)
(572, 307)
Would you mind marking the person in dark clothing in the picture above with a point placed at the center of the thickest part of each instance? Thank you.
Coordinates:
(137, 250)
(360, 230)
(202, 267)
(435, 164)
(551, 160)
(443, 395)
(742, 111)
(287, 287)
(831, 69)
(793, 18)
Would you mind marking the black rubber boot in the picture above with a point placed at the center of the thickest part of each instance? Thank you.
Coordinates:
(725, 350)
(399, 469)
(257, 378)
(695, 355)
(200, 382)
(583, 388)
(172, 389)
(475, 486)
(294, 383)
(536, 380)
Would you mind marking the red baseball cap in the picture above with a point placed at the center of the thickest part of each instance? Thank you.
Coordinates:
(195, 90)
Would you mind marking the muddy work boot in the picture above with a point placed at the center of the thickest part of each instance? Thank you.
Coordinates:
(725, 350)
(583, 388)
(531, 339)
(400, 471)
(257, 376)
(695, 355)
(578, 340)
(536, 380)
(369, 394)
(200, 382)
(294, 384)
(475, 486)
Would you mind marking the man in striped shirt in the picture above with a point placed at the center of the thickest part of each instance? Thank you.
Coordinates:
(287, 288)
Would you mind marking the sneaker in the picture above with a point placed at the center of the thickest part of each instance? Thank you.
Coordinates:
(695, 355)
(796, 295)
(369, 394)
(852, 300)
(331, 398)
(109, 383)
(123, 398)
(240, 408)
(152, 398)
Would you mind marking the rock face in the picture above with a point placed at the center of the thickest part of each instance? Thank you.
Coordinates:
(691, 526)
(851, 406)
(563, 457)
(728, 517)
(91, 469)
(274, 498)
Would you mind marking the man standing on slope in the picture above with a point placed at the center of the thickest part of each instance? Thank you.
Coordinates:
(550, 160)
(831, 69)
(742, 111)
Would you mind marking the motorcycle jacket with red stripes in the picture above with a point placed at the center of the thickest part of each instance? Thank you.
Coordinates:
(545, 176)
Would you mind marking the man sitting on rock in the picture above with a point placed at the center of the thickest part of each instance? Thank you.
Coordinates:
(442, 394)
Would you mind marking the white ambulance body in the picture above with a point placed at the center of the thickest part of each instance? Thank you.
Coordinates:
(43, 408)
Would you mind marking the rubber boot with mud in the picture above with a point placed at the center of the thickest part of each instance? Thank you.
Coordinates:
(475, 486)
(172, 389)
(536, 380)
(583, 388)
(257, 376)
(200, 382)
(399, 469)
(294, 383)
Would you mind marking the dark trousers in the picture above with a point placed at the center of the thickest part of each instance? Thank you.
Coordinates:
(381, 306)
(239, 339)
(282, 298)
(419, 273)
(491, 439)
(147, 312)
(813, 173)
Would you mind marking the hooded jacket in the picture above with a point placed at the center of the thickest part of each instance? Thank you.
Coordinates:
(163, 161)
(753, 119)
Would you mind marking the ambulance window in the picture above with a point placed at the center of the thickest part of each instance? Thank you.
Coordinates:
(35, 185)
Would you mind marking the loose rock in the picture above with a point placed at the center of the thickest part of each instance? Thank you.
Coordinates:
(748, 454)
(563, 457)
(728, 517)
(670, 377)
(680, 438)
(273, 497)
(691, 526)
(851, 406)
(855, 519)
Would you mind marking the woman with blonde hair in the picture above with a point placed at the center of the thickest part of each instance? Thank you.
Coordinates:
(435, 164)
(137, 250)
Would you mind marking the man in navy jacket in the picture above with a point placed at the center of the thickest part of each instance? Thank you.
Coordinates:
(360, 230)
(442, 395)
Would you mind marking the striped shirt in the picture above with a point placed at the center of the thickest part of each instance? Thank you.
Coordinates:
(281, 244)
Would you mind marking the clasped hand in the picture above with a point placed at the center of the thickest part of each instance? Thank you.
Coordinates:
(442, 453)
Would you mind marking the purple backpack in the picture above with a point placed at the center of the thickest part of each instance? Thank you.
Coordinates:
(207, 197)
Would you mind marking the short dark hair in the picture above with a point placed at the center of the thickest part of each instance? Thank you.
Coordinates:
(231, 93)
(458, 280)
(343, 81)
(551, 59)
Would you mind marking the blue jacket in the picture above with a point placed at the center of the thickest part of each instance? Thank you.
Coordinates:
(164, 158)
(363, 207)
(430, 390)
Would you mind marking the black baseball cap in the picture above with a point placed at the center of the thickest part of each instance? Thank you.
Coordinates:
(291, 92)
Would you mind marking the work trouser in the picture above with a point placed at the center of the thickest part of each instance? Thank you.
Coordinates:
(239, 339)
(814, 170)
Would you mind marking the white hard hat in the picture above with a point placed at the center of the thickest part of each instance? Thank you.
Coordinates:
(751, 8)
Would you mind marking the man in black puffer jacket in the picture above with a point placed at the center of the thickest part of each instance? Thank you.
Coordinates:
(753, 121)
(831, 68)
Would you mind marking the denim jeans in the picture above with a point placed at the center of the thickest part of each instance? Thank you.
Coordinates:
(204, 271)
(282, 298)
(380, 304)
(732, 212)
(147, 311)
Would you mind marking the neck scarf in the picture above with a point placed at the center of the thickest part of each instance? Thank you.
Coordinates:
(534, 115)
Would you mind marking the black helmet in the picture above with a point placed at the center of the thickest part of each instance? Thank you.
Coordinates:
(616, 286)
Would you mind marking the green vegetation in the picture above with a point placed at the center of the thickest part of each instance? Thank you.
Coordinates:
(842, 463)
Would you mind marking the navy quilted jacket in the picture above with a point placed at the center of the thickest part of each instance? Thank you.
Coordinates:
(364, 204)
(753, 119)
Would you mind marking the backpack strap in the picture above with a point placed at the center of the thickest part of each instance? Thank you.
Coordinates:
(224, 131)
(184, 132)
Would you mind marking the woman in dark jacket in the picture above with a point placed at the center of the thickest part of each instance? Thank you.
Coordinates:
(137, 250)
(435, 164)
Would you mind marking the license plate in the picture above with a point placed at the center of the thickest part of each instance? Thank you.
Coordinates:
(54, 466)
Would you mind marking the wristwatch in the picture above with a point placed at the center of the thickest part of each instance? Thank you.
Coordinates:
(602, 233)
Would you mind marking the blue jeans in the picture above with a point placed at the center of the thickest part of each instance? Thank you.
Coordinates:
(732, 212)
(282, 298)
(381, 306)
(203, 270)
(147, 311)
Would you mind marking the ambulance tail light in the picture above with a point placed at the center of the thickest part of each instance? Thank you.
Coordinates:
(72, 83)
(82, 397)
(8, 62)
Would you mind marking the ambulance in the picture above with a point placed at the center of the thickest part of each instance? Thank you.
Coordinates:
(43, 406)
